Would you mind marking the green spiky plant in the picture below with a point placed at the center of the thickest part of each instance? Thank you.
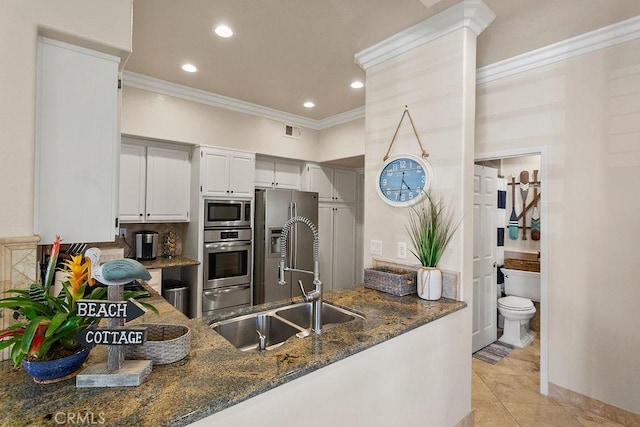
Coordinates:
(46, 326)
(431, 228)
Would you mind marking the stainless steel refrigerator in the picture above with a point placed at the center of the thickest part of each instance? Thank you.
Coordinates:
(273, 207)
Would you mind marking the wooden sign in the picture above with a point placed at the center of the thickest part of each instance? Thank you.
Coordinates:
(116, 372)
(117, 336)
(129, 310)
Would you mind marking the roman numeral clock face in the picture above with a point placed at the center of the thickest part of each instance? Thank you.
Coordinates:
(402, 180)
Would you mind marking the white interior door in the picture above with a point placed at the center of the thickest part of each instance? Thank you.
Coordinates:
(484, 256)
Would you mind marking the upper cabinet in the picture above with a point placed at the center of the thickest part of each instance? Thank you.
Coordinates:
(277, 174)
(154, 183)
(77, 140)
(226, 174)
(331, 184)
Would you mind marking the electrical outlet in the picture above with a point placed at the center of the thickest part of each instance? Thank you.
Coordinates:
(375, 247)
(402, 250)
(123, 232)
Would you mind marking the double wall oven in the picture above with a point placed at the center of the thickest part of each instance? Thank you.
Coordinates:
(227, 256)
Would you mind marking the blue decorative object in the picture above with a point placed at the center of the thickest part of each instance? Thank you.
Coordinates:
(116, 271)
(51, 370)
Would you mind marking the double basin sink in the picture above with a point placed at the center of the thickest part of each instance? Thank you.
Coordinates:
(274, 327)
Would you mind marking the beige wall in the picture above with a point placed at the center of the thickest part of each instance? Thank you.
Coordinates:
(586, 111)
(430, 81)
(341, 141)
(153, 115)
(437, 82)
(102, 24)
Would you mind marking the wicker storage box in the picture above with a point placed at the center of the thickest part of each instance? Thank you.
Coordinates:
(165, 344)
(395, 281)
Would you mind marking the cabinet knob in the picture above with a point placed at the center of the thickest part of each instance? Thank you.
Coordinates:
(140, 214)
(276, 184)
(231, 191)
(148, 214)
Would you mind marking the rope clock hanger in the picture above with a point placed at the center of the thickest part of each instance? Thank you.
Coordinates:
(403, 179)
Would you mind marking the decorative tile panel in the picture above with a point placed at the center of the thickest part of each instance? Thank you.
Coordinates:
(18, 269)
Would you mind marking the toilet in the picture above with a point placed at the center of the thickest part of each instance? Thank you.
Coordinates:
(521, 287)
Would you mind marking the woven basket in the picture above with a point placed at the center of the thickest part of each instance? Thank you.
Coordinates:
(395, 281)
(165, 344)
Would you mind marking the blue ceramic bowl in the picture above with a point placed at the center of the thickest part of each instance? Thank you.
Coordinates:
(52, 369)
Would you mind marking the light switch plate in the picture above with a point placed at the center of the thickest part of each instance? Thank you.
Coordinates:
(375, 247)
(402, 250)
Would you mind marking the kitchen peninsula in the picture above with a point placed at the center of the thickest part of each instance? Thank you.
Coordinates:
(368, 359)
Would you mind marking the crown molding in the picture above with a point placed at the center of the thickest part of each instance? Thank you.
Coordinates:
(140, 81)
(585, 43)
(598, 39)
(347, 116)
(471, 14)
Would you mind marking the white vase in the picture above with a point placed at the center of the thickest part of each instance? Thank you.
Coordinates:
(429, 283)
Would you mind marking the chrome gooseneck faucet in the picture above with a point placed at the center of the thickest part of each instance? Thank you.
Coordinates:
(314, 296)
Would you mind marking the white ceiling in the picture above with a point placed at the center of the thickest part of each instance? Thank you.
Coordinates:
(285, 52)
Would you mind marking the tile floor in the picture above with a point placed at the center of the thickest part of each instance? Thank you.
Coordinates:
(506, 394)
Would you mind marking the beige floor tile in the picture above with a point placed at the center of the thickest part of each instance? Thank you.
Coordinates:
(589, 419)
(491, 414)
(530, 352)
(515, 389)
(541, 415)
(526, 366)
(505, 366)
(480, 391)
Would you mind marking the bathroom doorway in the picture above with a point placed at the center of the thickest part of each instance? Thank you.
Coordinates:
(523, 248)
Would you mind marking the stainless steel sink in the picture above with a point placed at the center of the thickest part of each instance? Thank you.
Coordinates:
(300, 314)
(242, 332)
(278, 325)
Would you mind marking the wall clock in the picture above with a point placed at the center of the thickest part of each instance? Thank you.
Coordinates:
(402, 180)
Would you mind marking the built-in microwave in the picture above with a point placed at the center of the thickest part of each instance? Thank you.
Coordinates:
(227, 213)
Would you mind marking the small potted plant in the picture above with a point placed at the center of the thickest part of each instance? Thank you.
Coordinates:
(42, 338)
(430, 228)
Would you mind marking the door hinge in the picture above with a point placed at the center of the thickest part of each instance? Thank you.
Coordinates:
(116, 222)
(201, 188)
(119, 83)
(201, 154)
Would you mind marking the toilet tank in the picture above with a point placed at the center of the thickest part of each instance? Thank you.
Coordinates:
(520, 283)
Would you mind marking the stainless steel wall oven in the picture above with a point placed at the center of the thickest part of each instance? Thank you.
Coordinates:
(227, 269)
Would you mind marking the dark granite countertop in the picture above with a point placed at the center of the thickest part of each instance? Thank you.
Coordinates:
(166, 262)
(215, 375)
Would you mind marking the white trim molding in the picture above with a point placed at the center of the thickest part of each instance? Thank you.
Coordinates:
(585, 43)
(472, 14)
(151, 84)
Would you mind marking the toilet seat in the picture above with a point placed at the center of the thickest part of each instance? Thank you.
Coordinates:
(515, 303)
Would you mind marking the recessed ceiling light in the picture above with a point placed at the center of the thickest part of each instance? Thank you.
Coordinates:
(223, 31)
(357, 85)
(189, 68)
(309, 104)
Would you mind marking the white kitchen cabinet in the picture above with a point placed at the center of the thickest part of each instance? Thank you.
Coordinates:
(133, 181)
(337, 228)
(154, 183)
(277, 174)
(331, 184)
(226, 174)
(76, 146)
(168, 183)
